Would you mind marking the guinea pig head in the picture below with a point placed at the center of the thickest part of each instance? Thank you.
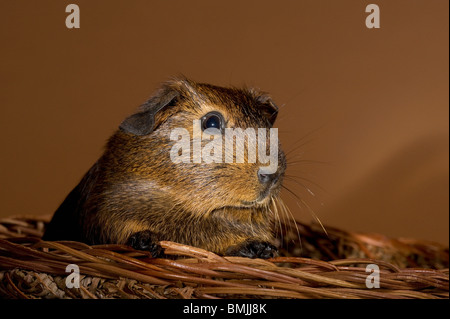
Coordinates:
(199, 147)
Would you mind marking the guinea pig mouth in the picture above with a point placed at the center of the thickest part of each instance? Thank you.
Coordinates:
(255, 203)
(269, 192)
(263, 199)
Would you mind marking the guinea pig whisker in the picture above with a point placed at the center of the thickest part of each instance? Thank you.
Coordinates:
(289, 178)
(297, 147)
(311, 211)
(302, 139)
(286, 218)
(283, 215)
(306, 161)
(296, 179)
(275, 210)
(273, 215)
(289, 213)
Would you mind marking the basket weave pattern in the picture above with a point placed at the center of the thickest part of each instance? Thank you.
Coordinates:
(320, 265)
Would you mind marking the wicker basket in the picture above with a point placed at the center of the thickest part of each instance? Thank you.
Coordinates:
(320, 265)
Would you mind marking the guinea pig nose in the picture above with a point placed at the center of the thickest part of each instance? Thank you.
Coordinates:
(264, 177)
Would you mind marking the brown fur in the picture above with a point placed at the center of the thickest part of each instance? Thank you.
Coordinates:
(135, 186)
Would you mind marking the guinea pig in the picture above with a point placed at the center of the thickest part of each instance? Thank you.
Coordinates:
(135, 194)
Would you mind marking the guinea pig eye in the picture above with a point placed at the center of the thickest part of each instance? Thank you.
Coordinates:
(213, 120)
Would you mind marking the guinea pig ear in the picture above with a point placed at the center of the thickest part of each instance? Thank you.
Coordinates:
(268, 107)
(143, 122)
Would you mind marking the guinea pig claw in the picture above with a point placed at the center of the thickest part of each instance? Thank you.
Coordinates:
(146, 240)
(253, 248)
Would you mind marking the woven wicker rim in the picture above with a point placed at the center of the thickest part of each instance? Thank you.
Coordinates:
(33, 268)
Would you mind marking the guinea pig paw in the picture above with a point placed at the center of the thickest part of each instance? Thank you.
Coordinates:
(253, 248)
(146, 240)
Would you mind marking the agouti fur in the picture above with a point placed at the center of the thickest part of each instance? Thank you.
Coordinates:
(134, 194)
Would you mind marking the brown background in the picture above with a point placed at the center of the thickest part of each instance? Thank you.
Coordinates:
(371, 104)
